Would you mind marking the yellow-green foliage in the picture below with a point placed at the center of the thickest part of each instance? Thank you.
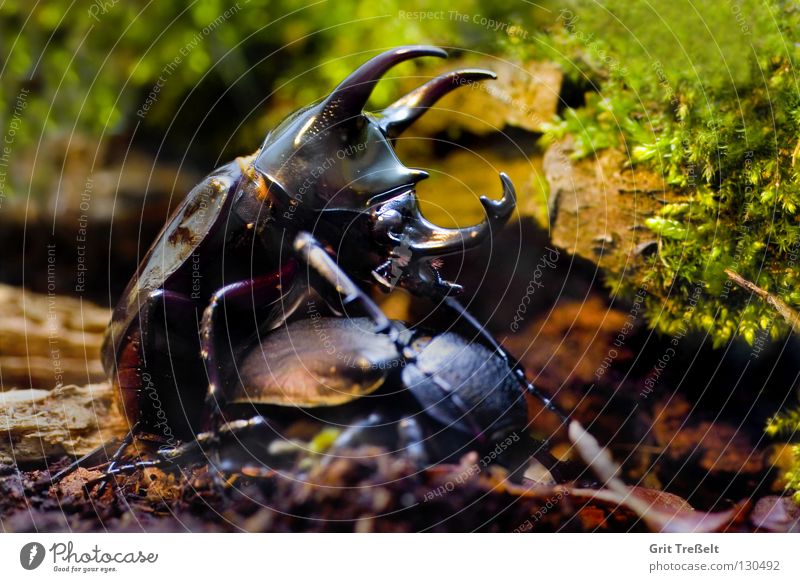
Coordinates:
(90, 65)
(705, 94)
(788, 424)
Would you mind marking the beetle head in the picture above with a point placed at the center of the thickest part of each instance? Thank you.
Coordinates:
(338, 162)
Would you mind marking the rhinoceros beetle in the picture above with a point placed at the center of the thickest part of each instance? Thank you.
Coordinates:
(226, 274)
(431, 394)
(436, 394)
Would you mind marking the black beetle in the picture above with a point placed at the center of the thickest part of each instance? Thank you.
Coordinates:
(435, 395)
(329, 168)
(224, 270)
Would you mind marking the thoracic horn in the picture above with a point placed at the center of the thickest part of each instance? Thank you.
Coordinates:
(406, 110)
(351, 95)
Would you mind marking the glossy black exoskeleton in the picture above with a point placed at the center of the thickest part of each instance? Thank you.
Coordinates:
(329, 168)
(203, 323)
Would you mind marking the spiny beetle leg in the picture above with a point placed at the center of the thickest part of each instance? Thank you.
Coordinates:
(312, 252)
(118, 455)
(410, 433)
(84, 461)
(250, 295)
(127, 468)
(412, 439)
(353, 434)
(195, 448)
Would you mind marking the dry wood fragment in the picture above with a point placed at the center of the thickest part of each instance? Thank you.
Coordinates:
(49, 340)
(53, 398)
(38, 425)
(599, 205)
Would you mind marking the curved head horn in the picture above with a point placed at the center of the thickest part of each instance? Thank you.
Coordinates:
(351, 95)
(406, 110)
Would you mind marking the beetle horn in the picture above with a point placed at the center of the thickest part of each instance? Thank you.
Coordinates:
(351, 95)
(425, 238)
(406, 110)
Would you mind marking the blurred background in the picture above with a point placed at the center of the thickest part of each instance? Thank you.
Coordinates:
(653, 148)
(118, 109)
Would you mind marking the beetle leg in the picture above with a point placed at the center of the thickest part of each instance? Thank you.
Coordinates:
(86, 460)
(516, 367)
(312, 252)
(118, 454)
(193, 448)
(207, 448)
(352, 435)
(211, 438)
(124, 469)
(260, 293)
(412, 439)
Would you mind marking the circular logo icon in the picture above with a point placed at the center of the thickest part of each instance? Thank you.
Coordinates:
(31, 555)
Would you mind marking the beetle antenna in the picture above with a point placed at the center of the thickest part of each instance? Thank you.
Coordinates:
(83, 461)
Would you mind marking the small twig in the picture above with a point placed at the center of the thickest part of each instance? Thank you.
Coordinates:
(790, 315)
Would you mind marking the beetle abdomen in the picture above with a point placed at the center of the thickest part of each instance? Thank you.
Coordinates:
(474, 390)
(316, 362)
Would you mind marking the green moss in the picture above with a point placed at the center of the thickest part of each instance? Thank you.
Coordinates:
(706, 95)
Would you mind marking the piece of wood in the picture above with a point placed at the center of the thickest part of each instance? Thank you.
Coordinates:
(524, 95)
(53, 396)
(39, 425)
(49, 340)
